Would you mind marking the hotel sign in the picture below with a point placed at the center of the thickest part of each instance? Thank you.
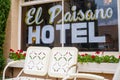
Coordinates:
(42, 24)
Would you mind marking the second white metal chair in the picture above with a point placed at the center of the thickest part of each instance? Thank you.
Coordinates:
(63, 64)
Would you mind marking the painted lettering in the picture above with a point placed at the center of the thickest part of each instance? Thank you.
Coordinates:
(79, 33)
(30, 19)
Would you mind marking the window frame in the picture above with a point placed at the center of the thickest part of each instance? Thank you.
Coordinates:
(23, 3)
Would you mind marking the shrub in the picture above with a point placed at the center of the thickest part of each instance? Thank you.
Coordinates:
(4, 11)
(97, 58)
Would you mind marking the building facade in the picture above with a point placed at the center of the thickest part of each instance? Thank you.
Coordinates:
(89, 25)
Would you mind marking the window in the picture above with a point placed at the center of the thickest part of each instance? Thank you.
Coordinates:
(89, 25)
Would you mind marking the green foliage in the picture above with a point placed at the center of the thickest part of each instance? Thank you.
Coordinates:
(1, 60)
(97, 58)
(18, 55)
(15, 56)
(4, 11)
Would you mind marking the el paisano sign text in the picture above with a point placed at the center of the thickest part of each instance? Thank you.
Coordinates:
(75, 21)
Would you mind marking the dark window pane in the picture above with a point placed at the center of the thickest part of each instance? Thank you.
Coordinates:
(90, 25)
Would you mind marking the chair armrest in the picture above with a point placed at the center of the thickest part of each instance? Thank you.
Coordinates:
(74, 65)
(10, 63)
(84, 75)
(117, 73)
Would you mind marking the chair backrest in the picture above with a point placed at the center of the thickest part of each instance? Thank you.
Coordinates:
(61, 59)
(37, 60)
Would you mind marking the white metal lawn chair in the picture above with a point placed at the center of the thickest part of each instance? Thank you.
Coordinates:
(36, 63)
(63, 63)
(117, 73)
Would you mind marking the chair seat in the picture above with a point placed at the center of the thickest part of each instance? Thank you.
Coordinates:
(27, 78)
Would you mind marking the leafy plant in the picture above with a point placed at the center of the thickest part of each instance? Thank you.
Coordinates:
(18, 55)
(2, 60)
(97, 58)
(4, 11)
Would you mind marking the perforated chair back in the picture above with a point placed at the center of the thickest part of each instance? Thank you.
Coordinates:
(37, 59)
(62, 58)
